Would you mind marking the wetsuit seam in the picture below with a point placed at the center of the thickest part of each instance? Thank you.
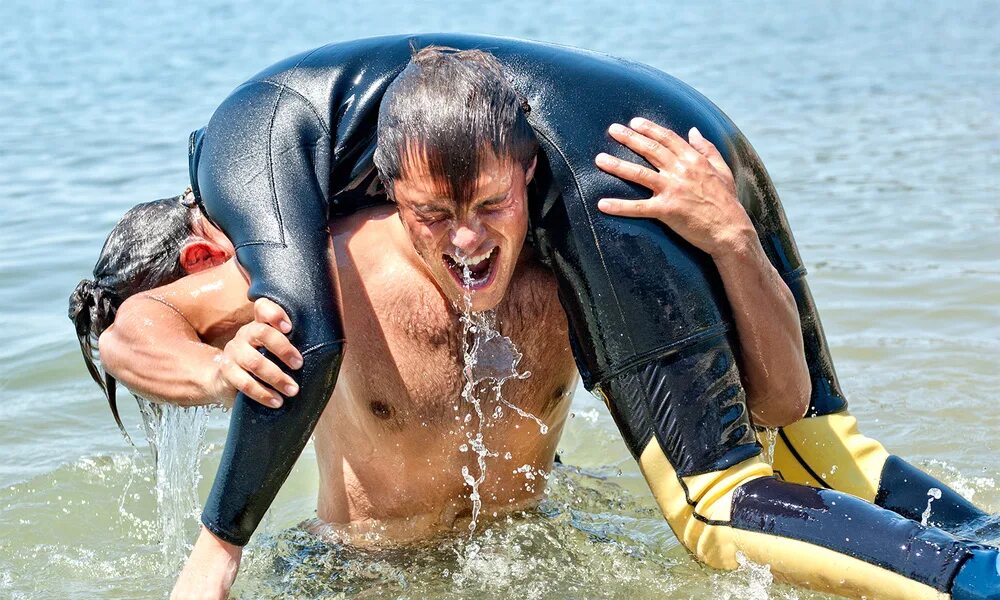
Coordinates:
(801, 461)
(708, 521)
(224, 534)
(312, 107)
(794, 274)
(316, 347)
(270, 138)
(168, 305)
(261, 243)
(590, 225)
(270, 163)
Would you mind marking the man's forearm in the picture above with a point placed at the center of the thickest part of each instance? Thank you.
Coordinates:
(157, 354)
(775, 373)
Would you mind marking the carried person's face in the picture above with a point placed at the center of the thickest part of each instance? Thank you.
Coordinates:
(484, 236)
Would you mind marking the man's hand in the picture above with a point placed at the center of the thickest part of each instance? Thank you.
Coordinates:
(693, 189)
(695, 195)
(241, 361)
(209, 571)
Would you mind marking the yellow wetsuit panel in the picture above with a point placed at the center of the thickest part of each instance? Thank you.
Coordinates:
(830, 448)
(698, 509)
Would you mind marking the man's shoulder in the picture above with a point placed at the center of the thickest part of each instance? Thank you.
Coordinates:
(370, 235)
(533, 295)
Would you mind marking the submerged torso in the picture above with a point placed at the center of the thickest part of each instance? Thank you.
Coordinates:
(396, 435)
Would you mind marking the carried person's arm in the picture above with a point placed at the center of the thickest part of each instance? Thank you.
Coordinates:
(695, 195)
(167, 344)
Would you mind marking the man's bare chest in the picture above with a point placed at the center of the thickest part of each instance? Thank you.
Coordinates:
(405, 363)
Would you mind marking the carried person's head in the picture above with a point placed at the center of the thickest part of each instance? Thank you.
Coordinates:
(456, 153)
(154, 243)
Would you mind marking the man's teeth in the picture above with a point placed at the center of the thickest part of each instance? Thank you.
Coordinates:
(471, 261)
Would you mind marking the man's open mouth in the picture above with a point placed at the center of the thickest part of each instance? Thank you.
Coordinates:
(474, 272)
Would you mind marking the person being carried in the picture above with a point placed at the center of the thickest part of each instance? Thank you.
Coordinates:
(388, 444)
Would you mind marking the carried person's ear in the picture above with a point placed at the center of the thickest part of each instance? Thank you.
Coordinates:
(200, 254)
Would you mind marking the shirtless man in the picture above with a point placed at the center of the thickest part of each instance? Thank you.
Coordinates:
(388, 443)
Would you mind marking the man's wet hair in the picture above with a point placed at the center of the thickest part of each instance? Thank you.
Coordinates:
(451, 108)
(142, 252)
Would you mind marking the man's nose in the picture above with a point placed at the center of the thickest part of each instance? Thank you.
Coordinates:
(467, 236)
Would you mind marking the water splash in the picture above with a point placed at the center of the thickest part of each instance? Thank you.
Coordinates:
(932, 495)
(492, 358)
(176, 436)
(566, 548)
(770, 437)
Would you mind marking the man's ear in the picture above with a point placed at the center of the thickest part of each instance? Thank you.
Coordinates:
(529, 173)
(200, 254)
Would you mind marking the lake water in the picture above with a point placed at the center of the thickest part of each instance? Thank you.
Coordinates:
(878, 121)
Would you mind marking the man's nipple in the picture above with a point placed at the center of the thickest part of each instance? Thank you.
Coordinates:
(380, 409)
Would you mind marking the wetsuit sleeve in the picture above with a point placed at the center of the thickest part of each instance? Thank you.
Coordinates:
(261, 168)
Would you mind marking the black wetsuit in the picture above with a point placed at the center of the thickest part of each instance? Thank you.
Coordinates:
(648, 318)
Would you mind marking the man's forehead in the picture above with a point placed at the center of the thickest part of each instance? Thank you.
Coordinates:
(419, 184)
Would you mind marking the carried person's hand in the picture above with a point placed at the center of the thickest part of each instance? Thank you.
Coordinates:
(242, 367)
(693, 188)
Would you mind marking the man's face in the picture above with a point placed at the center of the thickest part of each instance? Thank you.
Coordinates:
(486, 235)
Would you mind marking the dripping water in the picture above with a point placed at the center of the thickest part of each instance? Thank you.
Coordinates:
(770, 437)
(176, 437)
(932, 495)
(492, 358)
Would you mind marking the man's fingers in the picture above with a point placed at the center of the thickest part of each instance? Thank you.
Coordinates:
(267, 311)
(264, 336)
(629, 171)
(646, 147)
(629, 208)
(709, 151)
(243, 382)
(667, 138)
(264, 369)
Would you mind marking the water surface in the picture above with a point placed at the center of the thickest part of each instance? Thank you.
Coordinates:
(878, 121)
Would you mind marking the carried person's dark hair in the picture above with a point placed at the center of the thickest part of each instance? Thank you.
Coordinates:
(451, 108)
(142, 252)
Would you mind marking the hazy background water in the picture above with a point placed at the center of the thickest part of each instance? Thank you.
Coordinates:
(878, 122)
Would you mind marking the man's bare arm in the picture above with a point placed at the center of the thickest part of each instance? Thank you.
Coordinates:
(695, 195)
(776, 376)
(156, 347)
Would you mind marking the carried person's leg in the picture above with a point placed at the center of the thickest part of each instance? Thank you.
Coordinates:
(684, 418)
(826, 449)
(649, 328)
